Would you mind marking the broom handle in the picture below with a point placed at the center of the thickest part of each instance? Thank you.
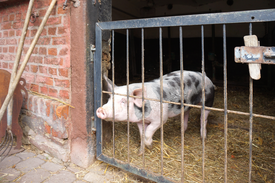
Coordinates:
(17, 60)
(26, 59)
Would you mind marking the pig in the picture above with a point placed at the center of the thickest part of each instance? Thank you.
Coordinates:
(171, 92)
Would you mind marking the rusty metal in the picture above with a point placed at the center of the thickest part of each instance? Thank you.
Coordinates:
(161, 96)
(255, 54)
(14, 127)
(225, 102)
(113, 90)
(143, 102)
(203, 103)
(182, 105)
(128, 122)
(250, 118)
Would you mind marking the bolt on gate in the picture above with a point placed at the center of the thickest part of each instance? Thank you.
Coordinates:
(201, 20)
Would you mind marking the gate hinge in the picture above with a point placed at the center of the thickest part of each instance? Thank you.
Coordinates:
(255, 54)
(92, 52)
(76, 3)
(93, 126)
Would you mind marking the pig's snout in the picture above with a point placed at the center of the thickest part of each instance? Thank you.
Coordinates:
(101, 113)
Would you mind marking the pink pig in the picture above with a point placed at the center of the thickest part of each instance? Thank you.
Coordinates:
(171, 92)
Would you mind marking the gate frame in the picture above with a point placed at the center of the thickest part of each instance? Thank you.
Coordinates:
(174, 21)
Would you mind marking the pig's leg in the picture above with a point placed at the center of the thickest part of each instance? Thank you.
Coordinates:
(186, 116)
(140, 128)
(150, 131)
(205, 123)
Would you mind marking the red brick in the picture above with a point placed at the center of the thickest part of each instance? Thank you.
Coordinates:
(53, 61)
(2, 41)
(48, 108)
(52, 51)
(11, 33)
(52, 71)
(35, 50)
(5, 65)
(62, 30)
(52, 92)
(5, 18)
(63, 51)
(17, 25)
(59, 40)
(47, 128)
(12, 17)
(62, 83)
(55, 133)
(64, 94)
(54, 107)
(18, 32)
(51, 30)
(6, 34)
(1, 50)
(30, 78)
(34, 68)
(36, 59)
(11, 41)
(34, 87)
(61, 11)
(0, 33)
(32, 32)
(44, 41)
(54, 21)
(42, 51)
(63, 72)
(11, 49)
(30, 102)
(43, 69)
(18, 16)
(49, 81)
(44, 90)
(11, 66)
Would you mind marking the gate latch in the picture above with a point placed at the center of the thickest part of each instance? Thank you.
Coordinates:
(255, 54)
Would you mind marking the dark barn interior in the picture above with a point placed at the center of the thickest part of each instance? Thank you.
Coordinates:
(238, 74)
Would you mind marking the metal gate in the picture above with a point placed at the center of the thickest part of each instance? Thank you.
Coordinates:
(178, 21)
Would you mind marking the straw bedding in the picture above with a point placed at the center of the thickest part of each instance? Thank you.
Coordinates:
(238, 142)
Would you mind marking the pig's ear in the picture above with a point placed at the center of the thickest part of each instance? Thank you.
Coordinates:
(109, 83)
(138, 93)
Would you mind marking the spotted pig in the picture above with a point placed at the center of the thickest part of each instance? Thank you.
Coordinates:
(171, 92)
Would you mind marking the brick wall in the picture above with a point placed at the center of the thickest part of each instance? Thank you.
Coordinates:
(45, 122)
(48, 70)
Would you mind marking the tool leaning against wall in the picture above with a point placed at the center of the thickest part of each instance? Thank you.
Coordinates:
(6, 144)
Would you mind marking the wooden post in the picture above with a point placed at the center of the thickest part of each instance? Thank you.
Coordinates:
(254, 69)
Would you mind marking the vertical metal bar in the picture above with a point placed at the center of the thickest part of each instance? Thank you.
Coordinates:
(225, 101)
(182, 106)
(161, 95)
(113, 92)
(250, 117)
(98, 88)
(203, 103)
(128, 124)
(142, 72)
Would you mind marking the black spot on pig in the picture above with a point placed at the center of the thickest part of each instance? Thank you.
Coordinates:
(192, 77)
(209, 97)
(189, 83)
(177, 80)
(147, 110)
(196, 98)
(197, 82)
(172, 83)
